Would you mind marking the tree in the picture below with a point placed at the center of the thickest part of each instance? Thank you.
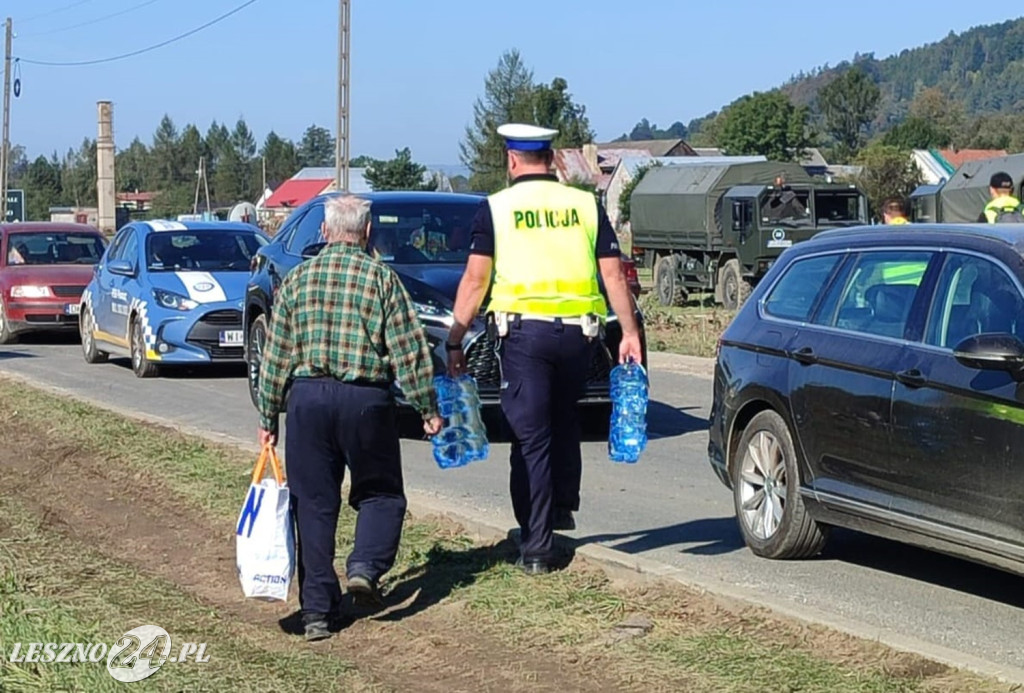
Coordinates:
(78, 175)
(316, 147)
(916, 133)
(400, 173)
(508, 97)
(625, 204)
(132, 168)
(888, 172)
(849, 103)
(166, 154)
(766, 123)
(553, 107)
(645, 130)
(42, 188)
(280, 156)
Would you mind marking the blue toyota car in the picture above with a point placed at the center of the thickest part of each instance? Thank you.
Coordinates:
(170, 293)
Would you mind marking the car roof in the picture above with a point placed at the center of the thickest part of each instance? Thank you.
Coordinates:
(413, 197)
(1011, 235)
(165, 225)
(47, 227)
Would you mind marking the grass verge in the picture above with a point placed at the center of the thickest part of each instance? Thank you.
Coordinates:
(454, 598)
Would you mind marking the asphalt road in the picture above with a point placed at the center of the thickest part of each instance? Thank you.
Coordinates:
(668, 508)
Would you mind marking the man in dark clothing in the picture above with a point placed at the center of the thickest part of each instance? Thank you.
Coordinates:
(343, 330)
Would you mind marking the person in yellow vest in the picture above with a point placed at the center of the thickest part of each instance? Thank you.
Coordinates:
(1003, 207)
(893, 212)
(546, 243)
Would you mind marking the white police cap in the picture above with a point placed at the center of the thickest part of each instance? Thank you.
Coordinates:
(526, 138)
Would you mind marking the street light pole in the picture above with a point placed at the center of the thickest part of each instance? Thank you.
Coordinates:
(5, 147)
(341, 154)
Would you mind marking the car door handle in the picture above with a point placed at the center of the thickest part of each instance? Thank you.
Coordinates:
(805, 355)
(912, 378)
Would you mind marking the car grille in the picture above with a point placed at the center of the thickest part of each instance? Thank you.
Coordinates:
(67, 291)
(205, 334)
(482, 364)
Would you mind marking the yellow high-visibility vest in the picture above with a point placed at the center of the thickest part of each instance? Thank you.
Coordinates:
(1003, 202)
(545, 235)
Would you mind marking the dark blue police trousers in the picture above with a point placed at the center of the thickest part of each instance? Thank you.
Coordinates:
(332, 425)
(544, 369)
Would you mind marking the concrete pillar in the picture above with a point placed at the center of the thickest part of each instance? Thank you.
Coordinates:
(105, 168)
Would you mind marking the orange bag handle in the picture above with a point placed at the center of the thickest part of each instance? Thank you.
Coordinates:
(268, 452)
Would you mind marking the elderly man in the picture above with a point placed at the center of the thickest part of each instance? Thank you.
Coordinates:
(343, 330)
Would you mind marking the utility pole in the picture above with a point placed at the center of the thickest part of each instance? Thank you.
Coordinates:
(341, 148)
(5, 154)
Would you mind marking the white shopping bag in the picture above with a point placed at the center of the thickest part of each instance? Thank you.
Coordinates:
(265, 537)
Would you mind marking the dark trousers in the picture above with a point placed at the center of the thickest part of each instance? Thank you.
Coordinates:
(544, 373)
(332, 425)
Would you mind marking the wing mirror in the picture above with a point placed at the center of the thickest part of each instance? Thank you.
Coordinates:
(121, 268)
(311, 251)
(992, 352)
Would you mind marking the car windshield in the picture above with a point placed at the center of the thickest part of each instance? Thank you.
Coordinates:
(837, 208)
(203, 251)
(409, 234)
(58, 248)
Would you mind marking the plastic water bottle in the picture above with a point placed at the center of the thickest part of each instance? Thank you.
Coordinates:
(464, 436)
(627, 436)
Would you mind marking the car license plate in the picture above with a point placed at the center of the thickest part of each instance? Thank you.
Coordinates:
(231, 338)
(72, 309)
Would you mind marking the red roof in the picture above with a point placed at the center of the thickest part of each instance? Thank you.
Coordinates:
(957, 158)
(295, 193)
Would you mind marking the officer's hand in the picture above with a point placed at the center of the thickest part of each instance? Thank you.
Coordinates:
(266, 438)
(456, 363)
(433, 425)
(629, 348)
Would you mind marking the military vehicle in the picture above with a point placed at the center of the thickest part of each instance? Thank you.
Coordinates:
(719, 227)
(962, 198)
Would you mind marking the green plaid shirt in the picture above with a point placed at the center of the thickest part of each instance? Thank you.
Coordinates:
(344, 315)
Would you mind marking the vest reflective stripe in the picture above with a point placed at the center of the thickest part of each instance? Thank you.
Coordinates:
(994, 207)
(545, 234)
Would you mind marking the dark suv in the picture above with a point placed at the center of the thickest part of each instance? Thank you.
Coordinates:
(875, 380)
(424, 237)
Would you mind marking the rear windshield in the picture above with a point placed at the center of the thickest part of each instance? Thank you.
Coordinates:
(58, 248)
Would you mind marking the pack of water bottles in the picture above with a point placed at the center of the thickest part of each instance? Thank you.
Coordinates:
(627, 437)
(464, 436)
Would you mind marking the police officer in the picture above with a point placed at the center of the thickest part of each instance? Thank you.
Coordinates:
(1000, 188)
(546, 243)
(893, 212)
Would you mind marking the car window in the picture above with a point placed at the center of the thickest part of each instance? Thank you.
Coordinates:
(307, 231)
(879, 292)
(973, 296)
(130, 248)
(114, 251)
(793, 296)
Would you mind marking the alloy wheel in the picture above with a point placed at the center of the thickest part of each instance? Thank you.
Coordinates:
(763, 485)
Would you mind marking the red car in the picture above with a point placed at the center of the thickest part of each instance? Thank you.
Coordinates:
(44, 268)
(632, 280)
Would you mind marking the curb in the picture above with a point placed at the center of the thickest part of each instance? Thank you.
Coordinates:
(696, 366)
(616, 564)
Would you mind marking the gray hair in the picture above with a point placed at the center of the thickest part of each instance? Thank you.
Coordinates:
(346, 217)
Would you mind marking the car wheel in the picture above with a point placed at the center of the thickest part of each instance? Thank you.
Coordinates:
(141, 365)
(254, 355)
(735, 289)
(670, 289)
(86, 332)
(766, 492)
(6, 335)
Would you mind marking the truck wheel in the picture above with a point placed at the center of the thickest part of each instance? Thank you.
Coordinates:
(735, 289)
(669, 288)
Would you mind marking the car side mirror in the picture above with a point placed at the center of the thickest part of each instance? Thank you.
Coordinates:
(311, 251)
(122, 268)
(994, 351)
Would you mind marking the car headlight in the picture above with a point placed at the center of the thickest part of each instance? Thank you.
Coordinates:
(30, 291)
(173, 301)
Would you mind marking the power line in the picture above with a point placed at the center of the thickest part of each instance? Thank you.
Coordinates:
(53, 12)
(91, 21)
(132, 54)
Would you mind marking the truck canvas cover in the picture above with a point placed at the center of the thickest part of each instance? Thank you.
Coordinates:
(671, 199)
(965, 194)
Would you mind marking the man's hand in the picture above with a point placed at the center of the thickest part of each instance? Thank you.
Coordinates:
(267, 438)
(456, 363)
(433, 425)
(629, 348)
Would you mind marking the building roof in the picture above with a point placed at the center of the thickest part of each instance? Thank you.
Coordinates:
(813, 158)
(708, 151)
(297, 191)
(652, 147)
(958, 157)
(572, 165)
(632, 164)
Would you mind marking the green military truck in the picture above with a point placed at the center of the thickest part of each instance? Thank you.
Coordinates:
(719, 227)
(962, 198)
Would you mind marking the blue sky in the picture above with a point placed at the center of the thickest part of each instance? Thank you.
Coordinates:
(417, 66)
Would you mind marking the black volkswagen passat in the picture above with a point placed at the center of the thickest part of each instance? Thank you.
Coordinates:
(875, 381)
(424, 237)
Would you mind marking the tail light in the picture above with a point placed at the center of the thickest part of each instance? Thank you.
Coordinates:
(629, 267)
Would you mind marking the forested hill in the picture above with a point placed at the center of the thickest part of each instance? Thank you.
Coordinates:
(981, 69)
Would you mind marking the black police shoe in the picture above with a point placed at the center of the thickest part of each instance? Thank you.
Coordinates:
(316, 626)
(533, 566)
(564, 520)
(364, 591)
